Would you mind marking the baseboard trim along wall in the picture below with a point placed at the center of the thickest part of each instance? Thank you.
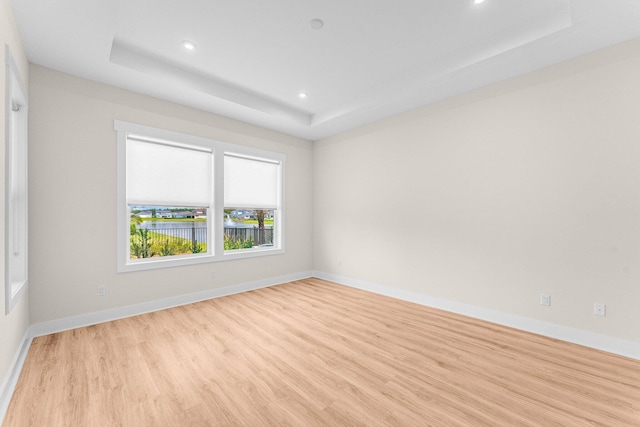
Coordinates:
(573, 335)
(46, 328)
(9, 384)
(552, 330)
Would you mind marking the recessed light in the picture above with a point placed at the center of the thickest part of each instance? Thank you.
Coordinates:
(478, 1)
(302, 95)
(188, 45)
(316, 24)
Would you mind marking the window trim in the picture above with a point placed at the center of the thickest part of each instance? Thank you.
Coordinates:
(215, 216)
(15, 89)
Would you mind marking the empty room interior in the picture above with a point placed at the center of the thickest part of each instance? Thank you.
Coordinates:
(423, 212)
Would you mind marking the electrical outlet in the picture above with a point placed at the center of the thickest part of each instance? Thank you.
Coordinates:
(102, 291)
(545, 299)
(213, 274)
(599, 309)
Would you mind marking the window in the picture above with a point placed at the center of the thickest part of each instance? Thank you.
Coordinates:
(185, 200)
(16, 251)
(169, 194)
(250, 202)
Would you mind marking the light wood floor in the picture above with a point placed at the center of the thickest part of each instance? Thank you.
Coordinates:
(315, 353)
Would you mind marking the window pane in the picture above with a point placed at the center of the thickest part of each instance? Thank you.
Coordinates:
(248, 228)
(17, 215)
(161, 231)
(16, 196)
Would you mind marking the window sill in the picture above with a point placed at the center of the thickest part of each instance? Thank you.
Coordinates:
(251, 253)
(153, 264)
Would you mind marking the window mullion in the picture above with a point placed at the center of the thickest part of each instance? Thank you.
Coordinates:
(218, 204)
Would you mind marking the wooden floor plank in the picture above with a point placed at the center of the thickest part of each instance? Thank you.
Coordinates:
(312, 353)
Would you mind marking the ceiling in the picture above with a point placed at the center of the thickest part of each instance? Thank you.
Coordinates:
(370, 59)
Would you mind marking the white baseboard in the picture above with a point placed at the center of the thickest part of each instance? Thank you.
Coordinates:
(578, 336)
(45, 328)
(88, 319)
(9, 384)
(573, 335)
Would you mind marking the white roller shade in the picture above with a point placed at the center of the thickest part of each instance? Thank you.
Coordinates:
(168, 175)
(250, 183)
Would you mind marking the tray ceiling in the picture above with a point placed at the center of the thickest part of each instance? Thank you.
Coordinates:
(356, 61)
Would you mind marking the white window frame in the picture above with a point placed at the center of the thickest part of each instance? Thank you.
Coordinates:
(215, 216)
(16, 185)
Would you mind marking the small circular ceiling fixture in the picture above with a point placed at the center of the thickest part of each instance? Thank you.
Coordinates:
(478, 1)
(316, 24)
(189, 45)
(302, 95)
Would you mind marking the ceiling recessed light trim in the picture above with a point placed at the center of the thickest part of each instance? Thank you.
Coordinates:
(188, 45)
(478, 1)
(302, 95)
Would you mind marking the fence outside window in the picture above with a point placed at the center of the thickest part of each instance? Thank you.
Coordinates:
(199, 234)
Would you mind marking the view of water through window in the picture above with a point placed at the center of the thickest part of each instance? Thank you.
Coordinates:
(160, 231)
(248, 228)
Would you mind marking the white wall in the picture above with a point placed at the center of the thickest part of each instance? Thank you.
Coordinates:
(73, 198)
(13, 326)
(489, 199)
